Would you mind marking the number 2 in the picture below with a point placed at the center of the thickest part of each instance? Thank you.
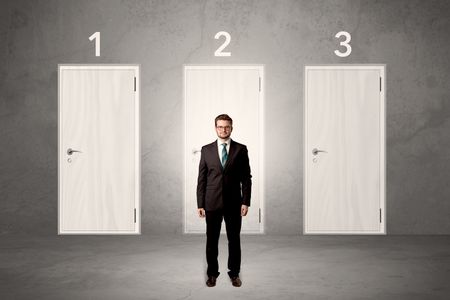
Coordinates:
(344, 43)
(227, 41)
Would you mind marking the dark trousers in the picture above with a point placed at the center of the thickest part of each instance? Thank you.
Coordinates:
(233, 222)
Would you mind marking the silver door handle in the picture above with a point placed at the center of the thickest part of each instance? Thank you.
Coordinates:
(195, 151)
(316, 151)
(70, 151)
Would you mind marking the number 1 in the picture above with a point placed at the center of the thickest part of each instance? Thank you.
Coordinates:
(96, 36)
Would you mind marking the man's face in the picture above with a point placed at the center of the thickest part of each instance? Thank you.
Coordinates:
(223, 129)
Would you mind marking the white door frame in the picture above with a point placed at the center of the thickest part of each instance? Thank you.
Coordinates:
(306, 150)
(260, 68)
(137, 145)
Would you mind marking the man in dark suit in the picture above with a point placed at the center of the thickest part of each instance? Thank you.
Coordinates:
(223, 192)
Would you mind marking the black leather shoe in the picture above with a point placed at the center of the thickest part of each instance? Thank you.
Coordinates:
(211, 281)
(236, 281)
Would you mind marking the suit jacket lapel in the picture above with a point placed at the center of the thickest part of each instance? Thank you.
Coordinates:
(216, 154)
(230, 154)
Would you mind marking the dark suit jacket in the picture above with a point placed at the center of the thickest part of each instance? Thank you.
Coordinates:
(227, 187)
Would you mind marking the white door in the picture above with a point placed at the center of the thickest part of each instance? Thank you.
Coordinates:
(99, 155)
(344, 155)
(210, 91)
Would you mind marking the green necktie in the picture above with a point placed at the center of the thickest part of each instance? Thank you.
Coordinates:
(224, 154)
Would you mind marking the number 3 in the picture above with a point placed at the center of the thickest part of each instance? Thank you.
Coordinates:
(344, 43)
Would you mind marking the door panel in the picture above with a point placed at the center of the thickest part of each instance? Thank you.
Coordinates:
(99, 187)
(344, 116)
(210, 91)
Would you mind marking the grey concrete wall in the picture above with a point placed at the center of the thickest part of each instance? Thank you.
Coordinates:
(410, 37)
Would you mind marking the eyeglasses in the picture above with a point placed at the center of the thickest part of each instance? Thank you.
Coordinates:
(223, 127)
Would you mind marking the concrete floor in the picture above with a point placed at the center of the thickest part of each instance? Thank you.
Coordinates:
(273, 267)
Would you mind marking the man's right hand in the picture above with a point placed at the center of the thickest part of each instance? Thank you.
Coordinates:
(201, 212)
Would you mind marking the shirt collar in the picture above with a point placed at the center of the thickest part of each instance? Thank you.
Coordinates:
(221, 141)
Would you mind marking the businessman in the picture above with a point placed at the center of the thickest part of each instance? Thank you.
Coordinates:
(223, 192)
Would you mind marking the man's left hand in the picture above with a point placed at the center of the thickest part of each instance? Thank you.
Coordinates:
(244, 210)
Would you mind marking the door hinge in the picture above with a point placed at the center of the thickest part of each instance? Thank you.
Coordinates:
(380, 84)
(135, 215)
(135, 84)
(260, 215)
(380, 215)
(260, 84)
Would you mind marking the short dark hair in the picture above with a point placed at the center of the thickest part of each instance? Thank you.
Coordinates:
(223, 117)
